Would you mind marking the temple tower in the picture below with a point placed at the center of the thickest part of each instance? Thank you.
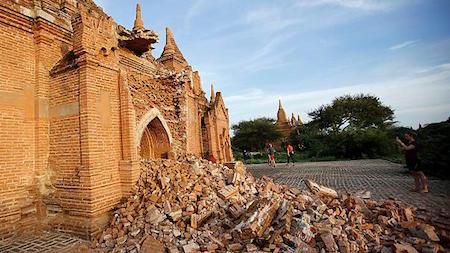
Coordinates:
(213, 94)
(281, 115)
(138, 23)
(282, 122)
(293, 120)
(171, 56)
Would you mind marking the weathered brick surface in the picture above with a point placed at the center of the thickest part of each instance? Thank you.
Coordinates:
(78, 109)
(44, 243)
(17, 128)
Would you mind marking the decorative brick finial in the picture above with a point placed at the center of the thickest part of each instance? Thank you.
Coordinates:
(170, 42)
(139, 40)
(281, 115)
(138, 23)
(293, 120)
(171, 54)
(213, 93)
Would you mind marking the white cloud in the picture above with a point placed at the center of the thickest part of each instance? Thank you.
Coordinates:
(263, 56)
(417, 98)
(193, 11)
(434, 68)
(269, 56)
(366, 5)
(250, 94)
(403, 45)
(270, 18)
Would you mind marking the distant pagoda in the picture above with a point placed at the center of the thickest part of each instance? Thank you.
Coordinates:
(286, 125)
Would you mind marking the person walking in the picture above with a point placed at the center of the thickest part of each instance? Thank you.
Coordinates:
(271, 155)
(412, 162)
(290, 154)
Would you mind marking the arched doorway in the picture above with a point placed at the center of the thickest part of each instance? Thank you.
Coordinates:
(154, 141)
(153, 136)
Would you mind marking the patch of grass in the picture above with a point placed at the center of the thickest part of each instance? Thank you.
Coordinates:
(281, 157)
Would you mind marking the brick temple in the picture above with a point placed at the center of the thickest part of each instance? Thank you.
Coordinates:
(284, 124)
(82, 100)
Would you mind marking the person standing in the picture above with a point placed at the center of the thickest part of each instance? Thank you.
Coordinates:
(412, 162)
(271, 155)
(290, 154)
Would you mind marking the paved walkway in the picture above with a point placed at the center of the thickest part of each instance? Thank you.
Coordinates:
(48, 242)
(382, 178)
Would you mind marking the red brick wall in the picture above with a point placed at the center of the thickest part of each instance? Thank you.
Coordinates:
(218, 127)
(97, 174)
(193, 126)
(70, 105)
(65, 155)
(106, 147)
(163, 94)
(29, 49)
(17, 149)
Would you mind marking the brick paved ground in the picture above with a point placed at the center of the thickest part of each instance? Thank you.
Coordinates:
(382, 178)
(45, 243)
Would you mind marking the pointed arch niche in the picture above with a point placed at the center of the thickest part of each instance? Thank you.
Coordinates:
(153, 136)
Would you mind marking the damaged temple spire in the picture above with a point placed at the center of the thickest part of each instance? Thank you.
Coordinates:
(138, 23)
(171, 56)
(213, 94)
(139, 40)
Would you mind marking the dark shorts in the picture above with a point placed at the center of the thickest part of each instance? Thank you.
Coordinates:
(412, 165)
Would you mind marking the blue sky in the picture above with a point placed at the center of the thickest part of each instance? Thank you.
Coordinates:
(307, 52)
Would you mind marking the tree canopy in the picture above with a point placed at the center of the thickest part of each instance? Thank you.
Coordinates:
(434, 148)
(252, 135)
(352, 112)
(350, 127)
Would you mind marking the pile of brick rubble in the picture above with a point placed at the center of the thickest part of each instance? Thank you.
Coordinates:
(195, 206)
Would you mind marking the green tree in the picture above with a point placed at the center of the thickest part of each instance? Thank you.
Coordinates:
(252, 135)
(434, 148)
(310, 139)
(352, 112)
(350, 127)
